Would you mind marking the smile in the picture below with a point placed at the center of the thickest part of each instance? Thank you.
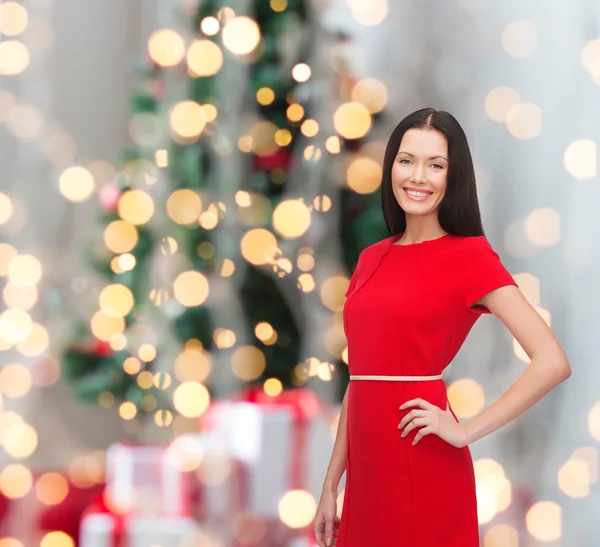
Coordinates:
(417, 195)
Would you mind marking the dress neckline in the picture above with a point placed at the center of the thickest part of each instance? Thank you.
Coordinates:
(419, 243)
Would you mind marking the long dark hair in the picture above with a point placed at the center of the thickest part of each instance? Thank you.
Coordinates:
(459, 210)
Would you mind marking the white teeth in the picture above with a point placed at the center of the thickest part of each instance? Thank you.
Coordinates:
(417, 194)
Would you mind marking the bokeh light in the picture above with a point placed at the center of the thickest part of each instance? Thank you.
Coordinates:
(297, 508)
(544, 521)
(581, 159)
(184, 206)
(204, 58)
(14, 57)
(191, 288)
(248, 363)
(241, 35)
(291, 218)
(191, 399)
(136, 207)
(352, 120)
(13, 18)
(466, 397)
(188, 120)
(519, 39)
(166, 47)
(76, 184)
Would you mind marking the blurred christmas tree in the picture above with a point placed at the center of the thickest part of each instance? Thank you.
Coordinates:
(202, 207)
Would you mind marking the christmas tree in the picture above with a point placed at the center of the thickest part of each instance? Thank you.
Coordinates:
(203, 241)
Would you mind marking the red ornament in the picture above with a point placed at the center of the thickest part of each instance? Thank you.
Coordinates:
(280, 160)
(101, 348)
(109, 196)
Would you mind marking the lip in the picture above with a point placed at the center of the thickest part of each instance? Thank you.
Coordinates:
(415, 198)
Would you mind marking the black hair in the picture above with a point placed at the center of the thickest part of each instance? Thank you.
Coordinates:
(458, 213)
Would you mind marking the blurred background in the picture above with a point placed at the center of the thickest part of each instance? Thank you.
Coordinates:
(185, 187)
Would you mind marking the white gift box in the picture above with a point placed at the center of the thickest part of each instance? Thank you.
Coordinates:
(144, 481)
(98, 530)
(279, 452)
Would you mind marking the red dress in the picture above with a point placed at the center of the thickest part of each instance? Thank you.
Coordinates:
(408, 311)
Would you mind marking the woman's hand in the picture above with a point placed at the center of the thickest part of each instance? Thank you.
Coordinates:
(326, 521)
(432, 419)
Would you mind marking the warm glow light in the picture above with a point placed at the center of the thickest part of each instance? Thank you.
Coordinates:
(259, 246)
(116, 300)
(333, 291)
(273, 387)
(352, 120)
(501, 535)
(136, 207)
(297, 508)
(57, 539)
(15, 326)
(20, 440)
(466, 397)
(166, 47)
(104, 327)
(364, 175)
(120, 236)
(24, 271)
(543, 227)
(248, 363)
(544, 521)
(291, 218)
(371, 93)
(127, 410)
(210, 26)
(15, 481)
(301, 72)
(51, 488)
(6, 207)
(191, 288)
(184, 206)
(191, 399)
(499, 101)
(204, 58)
(519, 39)
(76, 184)
(15, 380)
(187, 119)
(241, 35)
(524, 120)
(13, 18)
(14, 57)
(581, 159)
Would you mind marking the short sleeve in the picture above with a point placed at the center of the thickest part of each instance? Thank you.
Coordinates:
(483, 272)
(353, 279)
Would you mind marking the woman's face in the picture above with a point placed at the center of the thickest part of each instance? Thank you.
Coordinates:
(419, 171)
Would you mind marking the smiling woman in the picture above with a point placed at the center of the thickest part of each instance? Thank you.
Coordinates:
(411, 303)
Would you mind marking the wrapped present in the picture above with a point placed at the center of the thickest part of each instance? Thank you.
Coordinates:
(143, 480)
(284, 441)
(105, 529)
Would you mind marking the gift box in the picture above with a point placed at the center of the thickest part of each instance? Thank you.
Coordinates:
(285, 443)
(110, 530)
(143, 480)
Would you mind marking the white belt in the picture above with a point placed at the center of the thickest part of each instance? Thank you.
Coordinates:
(394, 378)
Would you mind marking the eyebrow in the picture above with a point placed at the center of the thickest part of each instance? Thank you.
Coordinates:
(409, 154)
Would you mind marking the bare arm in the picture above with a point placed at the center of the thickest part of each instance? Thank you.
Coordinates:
(549, 365)
(337, 464)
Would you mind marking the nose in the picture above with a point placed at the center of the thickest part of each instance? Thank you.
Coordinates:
(418, 175)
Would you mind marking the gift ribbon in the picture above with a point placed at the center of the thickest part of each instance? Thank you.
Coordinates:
(304, 405)
(119, 529)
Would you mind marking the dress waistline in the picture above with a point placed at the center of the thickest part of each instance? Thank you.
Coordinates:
(394, 378)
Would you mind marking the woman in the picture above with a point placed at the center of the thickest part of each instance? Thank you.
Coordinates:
(412, 300)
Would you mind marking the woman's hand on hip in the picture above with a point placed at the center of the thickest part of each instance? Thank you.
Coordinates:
(432, 419)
